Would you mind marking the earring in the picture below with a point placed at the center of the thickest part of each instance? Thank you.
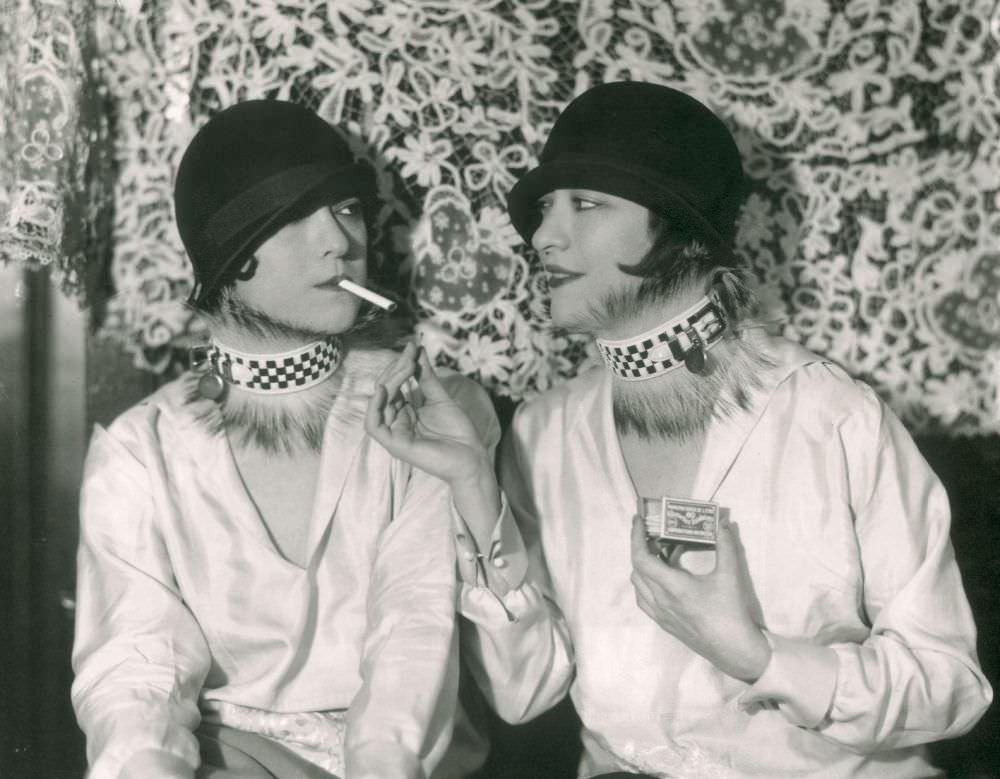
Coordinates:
(210, 385)
(694, 357)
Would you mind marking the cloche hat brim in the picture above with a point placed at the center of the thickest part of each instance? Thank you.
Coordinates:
(247, 221)
(247, 172)
(648, 143)
(660, 195)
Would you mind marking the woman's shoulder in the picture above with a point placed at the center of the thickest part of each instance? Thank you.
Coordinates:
(824, 396)
(565, 401)
(175, 402)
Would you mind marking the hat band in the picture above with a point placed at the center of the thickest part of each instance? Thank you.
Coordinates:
(669, 195)
(267, 196)
(276, 374)
(681, 341)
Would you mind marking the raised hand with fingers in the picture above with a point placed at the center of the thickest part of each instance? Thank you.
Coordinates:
(710, 613)
(419, 422)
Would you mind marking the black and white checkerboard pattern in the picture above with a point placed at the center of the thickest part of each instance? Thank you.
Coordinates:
(277, 373)
(631, 360)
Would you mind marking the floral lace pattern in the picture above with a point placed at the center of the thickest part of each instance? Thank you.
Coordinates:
(317, 736)
(870, 131)
(53, 152)
(669, 759)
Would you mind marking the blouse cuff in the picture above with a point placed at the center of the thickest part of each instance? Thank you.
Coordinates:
(800, 678)
(516, 610)
(500, 568)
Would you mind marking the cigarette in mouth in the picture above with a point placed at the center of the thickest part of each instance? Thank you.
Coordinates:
(367, 294)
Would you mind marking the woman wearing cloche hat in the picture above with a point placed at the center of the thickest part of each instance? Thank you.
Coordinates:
(730, 553)
(262, 591)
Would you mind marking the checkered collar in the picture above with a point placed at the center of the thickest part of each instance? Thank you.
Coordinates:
(276, 374)
(681, 341)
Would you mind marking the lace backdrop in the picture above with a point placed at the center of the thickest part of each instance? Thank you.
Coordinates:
(55, 159)
(870, 130)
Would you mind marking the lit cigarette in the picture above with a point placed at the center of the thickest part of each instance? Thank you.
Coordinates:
(367, 294)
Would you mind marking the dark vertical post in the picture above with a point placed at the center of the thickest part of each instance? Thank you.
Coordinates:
(42, 439)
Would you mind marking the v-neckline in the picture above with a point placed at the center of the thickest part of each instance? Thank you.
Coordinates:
(621, 479)
(724, 439)
(341, 441)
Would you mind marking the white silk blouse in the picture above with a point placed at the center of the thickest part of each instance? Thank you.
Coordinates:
(845, 533)
(184, 602)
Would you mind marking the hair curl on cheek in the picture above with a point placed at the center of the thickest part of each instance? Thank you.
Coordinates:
(248, 269)
(212, 304)
(239, 271)
(678, 251)
(679, 256)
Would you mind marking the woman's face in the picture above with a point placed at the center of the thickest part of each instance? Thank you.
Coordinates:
(299, 267)
(583, 237)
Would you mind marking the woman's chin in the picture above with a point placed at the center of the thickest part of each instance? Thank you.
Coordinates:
(569, 315)
(560, 310)
(334, 320)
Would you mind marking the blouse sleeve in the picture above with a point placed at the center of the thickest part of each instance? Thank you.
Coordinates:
(514, 637)
(915, 678)
(139, 656)
(400, 722)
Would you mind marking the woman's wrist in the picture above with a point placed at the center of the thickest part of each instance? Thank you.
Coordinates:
(755, 658)
(477, 499)
(476, 476)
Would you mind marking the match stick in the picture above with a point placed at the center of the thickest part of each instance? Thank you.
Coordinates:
(367, 294)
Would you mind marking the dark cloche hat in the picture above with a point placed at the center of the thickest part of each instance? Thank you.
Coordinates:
(644, 142)
(248, 172)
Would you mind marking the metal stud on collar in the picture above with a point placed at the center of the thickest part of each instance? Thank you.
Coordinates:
(684, 340)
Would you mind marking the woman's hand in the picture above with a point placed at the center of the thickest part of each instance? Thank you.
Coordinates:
(421, 424)
(710, 613)
(418, 422)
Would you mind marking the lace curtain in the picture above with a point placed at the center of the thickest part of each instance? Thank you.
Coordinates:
(870, 130)
(55, 179)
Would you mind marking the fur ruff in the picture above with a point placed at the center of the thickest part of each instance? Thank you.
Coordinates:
(292, 422)
(680, 404)
(296, 421)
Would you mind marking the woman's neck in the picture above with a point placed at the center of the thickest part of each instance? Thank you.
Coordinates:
(244, 341)
(279, 419)
(648, 315)
(679, 404)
